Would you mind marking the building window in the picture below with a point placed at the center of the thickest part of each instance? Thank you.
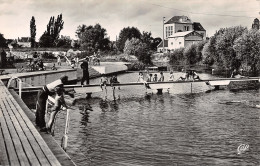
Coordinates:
(168, 31)
(186, 28)
(179, 42)
(171, 43)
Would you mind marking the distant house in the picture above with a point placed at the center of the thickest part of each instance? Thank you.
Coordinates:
(183, 39)
(180, 31)
(24, 41)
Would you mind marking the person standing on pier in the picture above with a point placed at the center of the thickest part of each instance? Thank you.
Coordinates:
(85, 77)
(42, 97)
(59, 60)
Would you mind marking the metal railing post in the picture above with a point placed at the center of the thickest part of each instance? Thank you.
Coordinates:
(20, 87)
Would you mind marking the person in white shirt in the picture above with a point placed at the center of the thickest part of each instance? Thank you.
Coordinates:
(59, 101)
(42, 97)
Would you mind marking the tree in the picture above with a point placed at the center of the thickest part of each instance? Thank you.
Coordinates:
(46, 41)
(80, 30)
(131, 46)
(139, 49)
(2, 41)
(155, 43)
(176, 58)
(224, 46)
(247, 48)
(190, 55)
(209, 51)
(64, 42)
(147, 39)
(52, 33)
(93, 38)
(33, 31)
(127, 33)
(219, 49)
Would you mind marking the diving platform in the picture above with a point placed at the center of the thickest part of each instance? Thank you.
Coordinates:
(159, 86)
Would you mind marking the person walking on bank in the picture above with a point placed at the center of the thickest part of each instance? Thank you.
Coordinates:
(85, 77)
(42, 97)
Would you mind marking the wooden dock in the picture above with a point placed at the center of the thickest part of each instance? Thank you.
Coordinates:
(20, 142)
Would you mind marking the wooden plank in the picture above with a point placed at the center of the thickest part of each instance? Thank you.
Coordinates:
(48, 153)
(15, 138)
(17, 121)
(33, 141)
(55, 147)
(3, 149)
(12, 156)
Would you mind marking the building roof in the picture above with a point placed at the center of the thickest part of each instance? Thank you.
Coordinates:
(182, 34)
(179, 19)
(24, 39)
(198, 27)
(165, 44)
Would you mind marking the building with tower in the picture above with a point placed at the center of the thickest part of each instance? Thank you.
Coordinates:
(180, 31)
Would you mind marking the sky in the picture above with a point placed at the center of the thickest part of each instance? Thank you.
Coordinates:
(114, 15)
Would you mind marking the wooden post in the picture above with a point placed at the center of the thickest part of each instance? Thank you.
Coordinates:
(88, 95)
(217, 87)
(159, 91)
(191, 87)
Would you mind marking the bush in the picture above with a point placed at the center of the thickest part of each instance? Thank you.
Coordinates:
(136, 66)
(47, 55)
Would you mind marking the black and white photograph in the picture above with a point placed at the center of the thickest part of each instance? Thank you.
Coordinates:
(130, 83)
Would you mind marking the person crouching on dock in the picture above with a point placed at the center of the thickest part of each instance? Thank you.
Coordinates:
(59, 101)
(42, 97)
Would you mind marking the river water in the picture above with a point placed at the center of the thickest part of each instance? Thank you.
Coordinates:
(140, 127)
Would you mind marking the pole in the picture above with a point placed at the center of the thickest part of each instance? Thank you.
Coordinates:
(20, 87)
(163, 35)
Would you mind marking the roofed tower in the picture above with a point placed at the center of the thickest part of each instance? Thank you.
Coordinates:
(255, 24)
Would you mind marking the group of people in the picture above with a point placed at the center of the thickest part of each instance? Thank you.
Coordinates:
(36, 63)
(189, 75)
(150, 77)
(104, 81)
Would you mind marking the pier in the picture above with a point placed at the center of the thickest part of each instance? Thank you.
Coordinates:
(21, 143)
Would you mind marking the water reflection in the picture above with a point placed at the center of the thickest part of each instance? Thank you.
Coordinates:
(84, 111)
